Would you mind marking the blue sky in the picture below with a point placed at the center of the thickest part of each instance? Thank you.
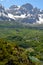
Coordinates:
(35, 3)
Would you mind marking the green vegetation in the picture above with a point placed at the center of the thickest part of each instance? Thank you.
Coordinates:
(20, 45)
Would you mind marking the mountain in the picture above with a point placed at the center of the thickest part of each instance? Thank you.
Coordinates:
(24, 9)
(3, 14)
(24, 14)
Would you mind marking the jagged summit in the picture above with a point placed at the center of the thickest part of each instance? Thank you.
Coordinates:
(13, 6)
(25, 13)
(27, 6)
(1, 8)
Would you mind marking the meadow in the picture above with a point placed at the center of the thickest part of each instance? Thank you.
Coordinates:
(20, 44)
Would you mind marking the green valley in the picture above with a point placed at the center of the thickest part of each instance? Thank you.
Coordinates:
(21, 44)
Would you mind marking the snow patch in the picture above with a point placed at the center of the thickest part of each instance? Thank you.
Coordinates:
(21, 16)
(40, 19)
(11, 16)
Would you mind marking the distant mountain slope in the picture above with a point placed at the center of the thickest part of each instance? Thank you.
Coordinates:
(31, 14)
(3, 14)
(25, 14)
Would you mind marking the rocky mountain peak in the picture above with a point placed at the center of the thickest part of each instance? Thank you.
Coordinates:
(1, 8)
(13, 7)
(25, 13)
(27, 6)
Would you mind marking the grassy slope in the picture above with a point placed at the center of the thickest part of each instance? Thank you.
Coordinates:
(30, 41)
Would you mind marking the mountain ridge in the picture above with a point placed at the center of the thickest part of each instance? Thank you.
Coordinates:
(25, 14)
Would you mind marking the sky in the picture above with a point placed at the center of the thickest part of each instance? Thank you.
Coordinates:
(35, 3)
